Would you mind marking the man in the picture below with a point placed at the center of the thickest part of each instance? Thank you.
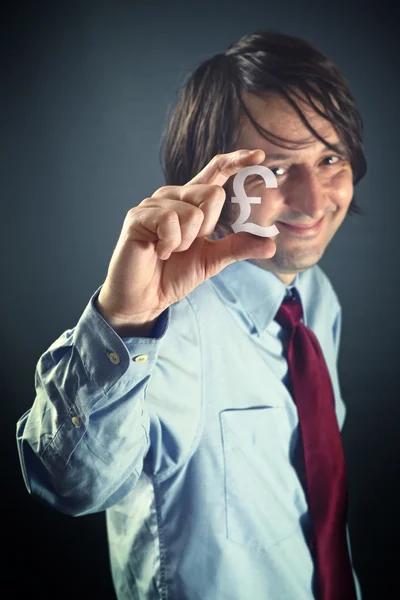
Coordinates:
(177, 403)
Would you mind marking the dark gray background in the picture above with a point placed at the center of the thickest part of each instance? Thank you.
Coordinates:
(86, 89)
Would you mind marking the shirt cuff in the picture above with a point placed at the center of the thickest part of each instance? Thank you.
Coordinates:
(99, 346)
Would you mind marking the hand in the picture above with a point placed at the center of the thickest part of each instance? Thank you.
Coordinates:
(163, 253)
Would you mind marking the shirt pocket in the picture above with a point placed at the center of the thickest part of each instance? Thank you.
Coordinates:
(259, 480)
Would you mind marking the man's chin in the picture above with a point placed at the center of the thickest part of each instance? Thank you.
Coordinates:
(289, 262)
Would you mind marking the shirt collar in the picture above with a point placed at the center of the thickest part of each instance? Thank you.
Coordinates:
(258, 292)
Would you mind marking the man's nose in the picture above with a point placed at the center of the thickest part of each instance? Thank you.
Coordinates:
(308, 195)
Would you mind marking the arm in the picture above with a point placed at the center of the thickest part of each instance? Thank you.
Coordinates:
(83, 441)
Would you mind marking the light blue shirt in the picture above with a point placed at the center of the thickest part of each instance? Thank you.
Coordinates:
(189, 439)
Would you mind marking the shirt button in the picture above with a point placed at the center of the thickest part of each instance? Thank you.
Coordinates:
(141, 358)
(75, 421)
(113, 356)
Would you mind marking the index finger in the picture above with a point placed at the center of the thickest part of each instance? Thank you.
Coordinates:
(220, 168)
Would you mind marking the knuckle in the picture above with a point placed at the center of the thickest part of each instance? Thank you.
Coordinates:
(146, 201)
(218, 192)
(221, 161)
(132, 210)
(131, 214)
(131, 220)
(170, 215)
(195, 213)
(163, 190)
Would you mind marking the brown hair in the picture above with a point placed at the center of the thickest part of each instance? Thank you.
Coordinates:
(206, 119)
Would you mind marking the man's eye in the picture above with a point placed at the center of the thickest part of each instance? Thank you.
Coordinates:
(280, 171)
(256, 179)
(332, 156)
(273, 169)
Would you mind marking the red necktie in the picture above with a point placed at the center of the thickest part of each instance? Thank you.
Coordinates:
(325, 471)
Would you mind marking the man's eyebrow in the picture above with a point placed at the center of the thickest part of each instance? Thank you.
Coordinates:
(269, 157)
(340, 148)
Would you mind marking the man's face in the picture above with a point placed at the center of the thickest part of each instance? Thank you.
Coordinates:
(315, 184)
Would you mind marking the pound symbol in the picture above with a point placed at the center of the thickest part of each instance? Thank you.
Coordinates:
(245, 201)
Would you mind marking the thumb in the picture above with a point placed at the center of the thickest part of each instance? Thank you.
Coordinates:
(236, 246)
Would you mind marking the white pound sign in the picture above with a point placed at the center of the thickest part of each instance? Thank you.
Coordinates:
(245, 201)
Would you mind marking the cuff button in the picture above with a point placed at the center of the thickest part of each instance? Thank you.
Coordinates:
(115, 359)
(141, 358)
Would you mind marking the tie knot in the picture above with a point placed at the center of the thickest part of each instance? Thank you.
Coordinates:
(290, 313)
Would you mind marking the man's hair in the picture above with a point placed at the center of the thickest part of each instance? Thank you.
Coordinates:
(206, 119)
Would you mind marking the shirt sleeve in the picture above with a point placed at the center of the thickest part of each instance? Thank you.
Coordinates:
(83, 442)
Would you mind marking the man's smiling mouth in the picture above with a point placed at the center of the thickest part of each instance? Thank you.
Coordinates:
(301, 229)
